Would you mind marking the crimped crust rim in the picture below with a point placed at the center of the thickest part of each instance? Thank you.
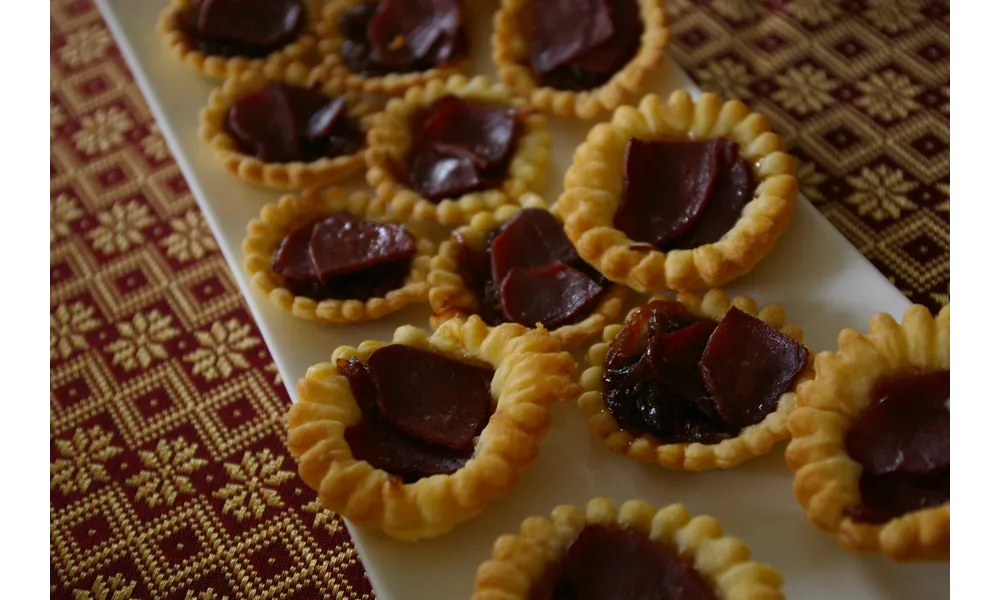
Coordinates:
(507, 39)
(826, 477)
(281, 176)
(214, 66)
(450, 296)
(593, 185)
(531, 373)
(755, 440)
(520, 560)
(277, 219)
(332, 66)
(389, 140)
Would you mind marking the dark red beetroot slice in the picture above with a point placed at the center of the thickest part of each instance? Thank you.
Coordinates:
(732, 191)
(264, 123)
(403, 32)
(658, 317)
(385, 447)
(884, 497)
(437, 399)
(612, 54)
(667, 188)
(748, 365)
(258, 22)
(343, 244)
(675, 359)
(565, 29)
(323, 121)
(437, 176)
(907, 428)
(552, 295)
(456, 126)
(292, 257)
(533, 238)
(609, 562)
(362, 386)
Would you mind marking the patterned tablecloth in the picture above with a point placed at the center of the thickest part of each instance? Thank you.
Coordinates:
(169, 478)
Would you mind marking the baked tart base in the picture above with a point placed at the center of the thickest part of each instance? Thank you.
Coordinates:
(510, 48)
(180, 46)
(531, 372)
(332, 66)
(520, 561)
(593, 190)
(277, 220)
(826, 477)
(752, 441)
(280, 176)
(450, 296)
(389, 141)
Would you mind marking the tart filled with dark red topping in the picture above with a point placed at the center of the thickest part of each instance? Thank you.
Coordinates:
(695, 383)
(422, 411)
(244, 28)
(682, 194)
(283, 123)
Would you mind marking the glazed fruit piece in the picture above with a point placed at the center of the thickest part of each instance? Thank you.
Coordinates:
(387, 46)
(695, 383)
(516, 265)
(221, 38)
(319, 256)
(676, 194)
(871, 438)
(583, 69)
(449, 150)
(283, 131)
(602, 552)
(416, 436)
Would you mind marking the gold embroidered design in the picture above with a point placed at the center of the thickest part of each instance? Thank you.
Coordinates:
(142, 340)
(221, 351)
(114, 588)
(881, 192)
(57, 118)
(167, 472)
(325, 519)
(67, 328)
(253, 482)
(190, 239)
(727, 77)
(804, 89)
(64, 211)
(738, 10)
(894, 16)
(809, 180)
(120, 227)
(888, 95)
(82, 461)
(944, 205)
(813, 12)
(154, 146)
(85, 45)
(103, 130)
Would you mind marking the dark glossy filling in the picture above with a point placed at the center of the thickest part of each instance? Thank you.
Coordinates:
(681, 194)
(248, 28)
(580, 44)
(282, 123)
(422, 411)
(611, 563)
(542, 278)
(402, 36)
(682, 378)
(344, 258)
(903, 443)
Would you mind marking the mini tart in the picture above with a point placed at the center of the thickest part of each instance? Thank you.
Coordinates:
(216, 66)
(277, 220)
(520, 561)
(450, 296)
(826, 477)
(752, 441)
(593, 190)
(389, 141)
(510, 50)
(280, 176)
(332, 67)
(531, 372)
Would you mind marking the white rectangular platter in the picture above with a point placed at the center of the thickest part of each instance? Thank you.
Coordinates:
(821, 280)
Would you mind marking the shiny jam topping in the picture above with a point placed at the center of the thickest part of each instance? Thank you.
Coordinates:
(248, 28)
(529, 273)
(461, 146)
(344, 258)
(402, 36)
(683, 194)
(281, 123)
(903, 443)
(580, 44)
(683, 378)
(422, 411)
(604, 563)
